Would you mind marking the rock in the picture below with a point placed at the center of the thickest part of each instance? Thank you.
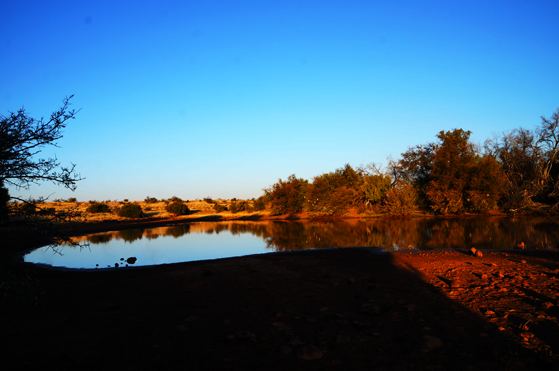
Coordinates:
(547, 305)
(131, 260)
(454, 283)
(523, 261)
(520, 245)
(484, 276)
(431, 342)
(286, 349)
(479, 254)
(308, 352)
(473, 251)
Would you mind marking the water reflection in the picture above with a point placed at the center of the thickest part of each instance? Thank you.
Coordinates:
(213, 240)
(421, 233)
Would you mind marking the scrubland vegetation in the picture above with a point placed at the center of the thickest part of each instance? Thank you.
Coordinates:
(514, 172)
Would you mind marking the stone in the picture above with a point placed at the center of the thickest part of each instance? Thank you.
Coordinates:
(308, 352)
(473, 251)
(479, 254)
(547, 305)
(431, 342)
(520, 245)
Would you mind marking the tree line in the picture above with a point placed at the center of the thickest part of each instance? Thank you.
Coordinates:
(516, 172)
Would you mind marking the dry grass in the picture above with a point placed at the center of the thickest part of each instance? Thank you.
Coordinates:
(151, 210)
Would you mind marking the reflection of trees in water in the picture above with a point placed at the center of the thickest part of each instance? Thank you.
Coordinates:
(179, 231)
(100, 238)
(131, 235)
(421, 233)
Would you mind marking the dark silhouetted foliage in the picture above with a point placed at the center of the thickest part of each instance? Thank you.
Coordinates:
(150, 200)
(175, 199)
(209, 200)
(98, 207)
(259, 204)
(177, 208)
(239, 206)
(219, 208)
(131, 211)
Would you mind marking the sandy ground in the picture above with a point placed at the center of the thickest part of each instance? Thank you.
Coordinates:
(336, 309)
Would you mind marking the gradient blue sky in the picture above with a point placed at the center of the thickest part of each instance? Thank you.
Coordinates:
(222, 98)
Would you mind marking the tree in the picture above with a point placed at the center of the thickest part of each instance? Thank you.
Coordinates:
(529, 161)
(287, 197)
(22, 138)
(451, 176)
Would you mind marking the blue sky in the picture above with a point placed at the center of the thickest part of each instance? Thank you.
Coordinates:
(222, 98)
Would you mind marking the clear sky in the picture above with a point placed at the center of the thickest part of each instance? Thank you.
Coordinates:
(222, 98)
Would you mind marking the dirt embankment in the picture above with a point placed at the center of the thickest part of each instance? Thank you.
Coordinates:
(345, 309)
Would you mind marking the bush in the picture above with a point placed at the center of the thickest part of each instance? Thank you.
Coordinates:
(287, 197)
(209, 200)
(237, 207)
(72, 199)
(219, 208)
(98, 208)
(131, 211)
(401, 199)
(175, 199)
(177, 208)
(150, 200)
(259, 204)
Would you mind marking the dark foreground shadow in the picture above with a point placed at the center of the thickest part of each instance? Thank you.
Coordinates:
(342, 309)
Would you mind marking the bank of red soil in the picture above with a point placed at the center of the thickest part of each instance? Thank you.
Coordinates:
(346, 309)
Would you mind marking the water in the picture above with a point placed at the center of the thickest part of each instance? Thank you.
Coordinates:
(213, 240)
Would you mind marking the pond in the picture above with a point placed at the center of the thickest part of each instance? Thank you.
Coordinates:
(214, 240)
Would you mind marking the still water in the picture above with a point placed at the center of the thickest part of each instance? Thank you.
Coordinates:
(213, 240)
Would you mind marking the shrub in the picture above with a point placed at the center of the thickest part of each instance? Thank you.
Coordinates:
(98, 208)
(401, 199)
(175, 199)
(209, 200)
(177, 208)
(259, 204)
(287, 197)
(72, 199)
(150, 200)
(237, 207)
(219, 208)
(131, 211)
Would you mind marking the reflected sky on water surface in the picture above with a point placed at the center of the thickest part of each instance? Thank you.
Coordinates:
(213, 240)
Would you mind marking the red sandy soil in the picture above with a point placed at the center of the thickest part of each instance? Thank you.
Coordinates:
(336, 309)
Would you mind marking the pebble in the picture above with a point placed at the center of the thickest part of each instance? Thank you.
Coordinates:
(308, 352)
(432, 342)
